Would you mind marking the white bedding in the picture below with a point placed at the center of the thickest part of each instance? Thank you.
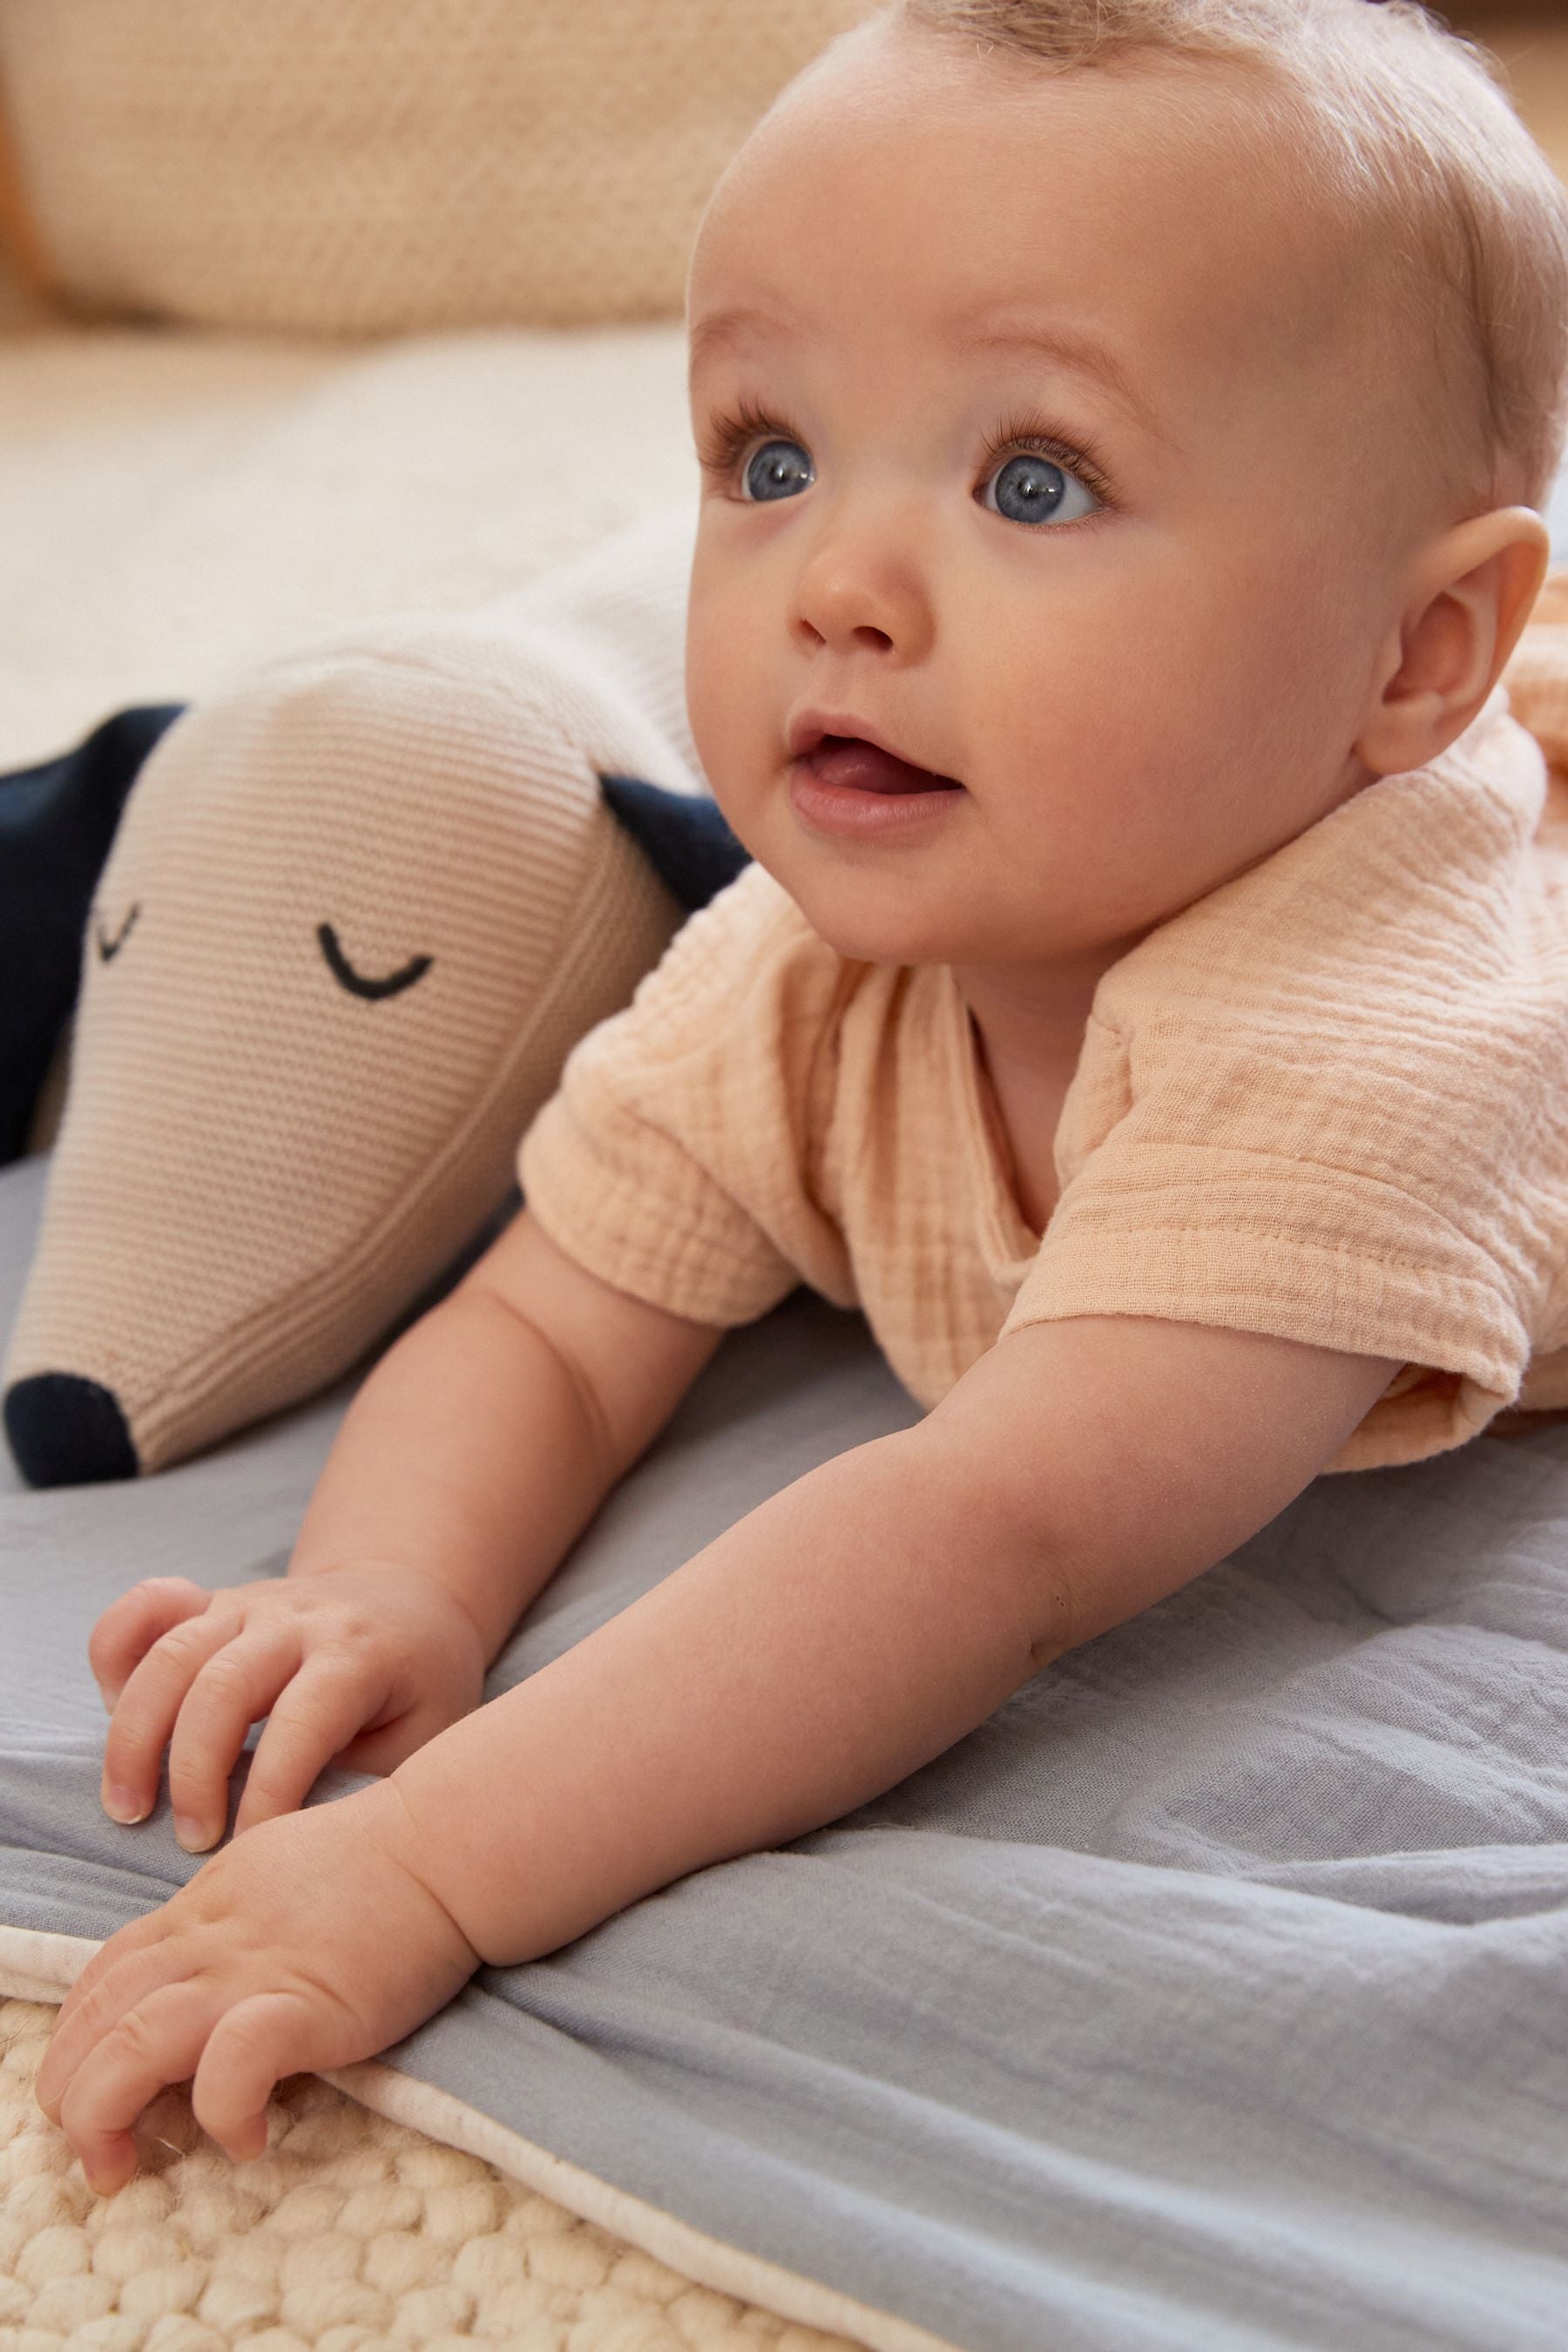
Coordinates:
(177, 507)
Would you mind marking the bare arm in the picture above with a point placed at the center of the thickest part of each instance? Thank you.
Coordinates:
(470, 1459)
(869, 1615)
(489, 1435)
(852, 1628)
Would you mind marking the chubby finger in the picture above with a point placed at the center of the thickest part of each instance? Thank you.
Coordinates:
(157, 2042)
(251, 2048)
(326, 1704)
(129, 1627)
(145, 1711)
(238, 1685)
(130, 1965)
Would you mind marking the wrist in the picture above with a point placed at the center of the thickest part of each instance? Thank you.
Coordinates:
(382, 1567)
(435, 1808)
(403, 1838)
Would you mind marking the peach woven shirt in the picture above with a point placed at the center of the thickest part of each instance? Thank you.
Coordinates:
(1329, 1100)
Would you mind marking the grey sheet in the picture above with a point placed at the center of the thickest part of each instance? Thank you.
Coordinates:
(1213, 1994)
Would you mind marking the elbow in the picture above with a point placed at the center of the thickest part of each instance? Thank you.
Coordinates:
(1010, 1552)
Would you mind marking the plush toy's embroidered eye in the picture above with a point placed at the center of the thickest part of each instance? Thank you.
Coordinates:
(343, 973)
(108, 948)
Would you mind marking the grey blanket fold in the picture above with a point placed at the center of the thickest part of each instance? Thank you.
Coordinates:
(1213, 1994)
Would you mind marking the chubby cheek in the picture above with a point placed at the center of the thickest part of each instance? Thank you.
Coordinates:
(1158, 751)
(1087, 780)
(733, 697)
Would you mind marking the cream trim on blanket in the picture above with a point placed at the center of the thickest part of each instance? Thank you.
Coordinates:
(38, 1966)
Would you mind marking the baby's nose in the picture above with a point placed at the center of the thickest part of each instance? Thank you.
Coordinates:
(860, 595)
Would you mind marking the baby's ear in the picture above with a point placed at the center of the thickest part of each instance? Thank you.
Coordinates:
(1473, 591)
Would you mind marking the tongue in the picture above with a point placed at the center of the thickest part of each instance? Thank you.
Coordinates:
(858, 766)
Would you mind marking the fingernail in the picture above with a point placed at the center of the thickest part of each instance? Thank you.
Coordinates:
(191, 1834)
(124, 1806)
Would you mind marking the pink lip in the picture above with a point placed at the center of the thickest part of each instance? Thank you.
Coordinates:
(807, 727)
(853, 816)
(826, 804)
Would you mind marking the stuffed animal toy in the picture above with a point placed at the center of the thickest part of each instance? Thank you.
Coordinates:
(355, 915)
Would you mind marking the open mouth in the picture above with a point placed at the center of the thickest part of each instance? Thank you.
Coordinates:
(849, 763)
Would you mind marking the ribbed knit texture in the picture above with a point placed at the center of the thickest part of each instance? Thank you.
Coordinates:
(1330, 1101)
(375, 165)
(259, 1168)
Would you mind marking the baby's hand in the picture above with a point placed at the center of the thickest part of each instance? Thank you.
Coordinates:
(354, 1666)
(312, 1943)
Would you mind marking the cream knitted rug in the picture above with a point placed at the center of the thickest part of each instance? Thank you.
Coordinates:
(352, 2233)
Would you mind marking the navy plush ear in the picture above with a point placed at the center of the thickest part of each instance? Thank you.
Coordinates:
(56, 822)
(684, 839)
(65, 1430)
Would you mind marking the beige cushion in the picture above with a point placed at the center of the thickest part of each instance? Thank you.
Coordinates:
(23, 271)
(19, 306)
(369, 166)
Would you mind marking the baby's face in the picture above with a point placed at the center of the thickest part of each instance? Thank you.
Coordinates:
(1051, 451)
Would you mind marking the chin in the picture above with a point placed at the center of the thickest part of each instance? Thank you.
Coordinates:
(887, 932)
(863, 911)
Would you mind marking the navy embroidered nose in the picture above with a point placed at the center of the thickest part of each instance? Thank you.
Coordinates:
(65, 1430)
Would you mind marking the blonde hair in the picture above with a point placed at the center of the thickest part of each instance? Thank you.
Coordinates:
(1415, 143)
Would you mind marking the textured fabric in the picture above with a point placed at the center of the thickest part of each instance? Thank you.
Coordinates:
(355, 915)
(18, 306)
(57, 821)
(381, 165)
(177, 509)
(1329, 1100)
(351, 2231)
(1206, 1997)
(684, 838)
(24, 303)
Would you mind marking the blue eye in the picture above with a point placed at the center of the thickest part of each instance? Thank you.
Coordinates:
(779, 469)
(1030, 489)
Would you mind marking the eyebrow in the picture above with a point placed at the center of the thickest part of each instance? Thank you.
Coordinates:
(722, 327)
(1070, 347)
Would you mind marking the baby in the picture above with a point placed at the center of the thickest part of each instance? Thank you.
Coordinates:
(1125, 424)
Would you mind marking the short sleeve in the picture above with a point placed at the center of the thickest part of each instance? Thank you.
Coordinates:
(1191, 1210)
(1331, 1102)
(671, 1159)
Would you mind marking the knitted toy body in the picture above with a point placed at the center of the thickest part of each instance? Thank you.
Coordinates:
(357, 913)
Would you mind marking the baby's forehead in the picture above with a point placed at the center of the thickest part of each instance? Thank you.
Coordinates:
(1167, 203)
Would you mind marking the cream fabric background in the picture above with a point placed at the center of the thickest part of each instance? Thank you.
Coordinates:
(386, 166)
(175, 509)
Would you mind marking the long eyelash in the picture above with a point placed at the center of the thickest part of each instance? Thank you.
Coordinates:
(1026, 433)
(727, 437)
